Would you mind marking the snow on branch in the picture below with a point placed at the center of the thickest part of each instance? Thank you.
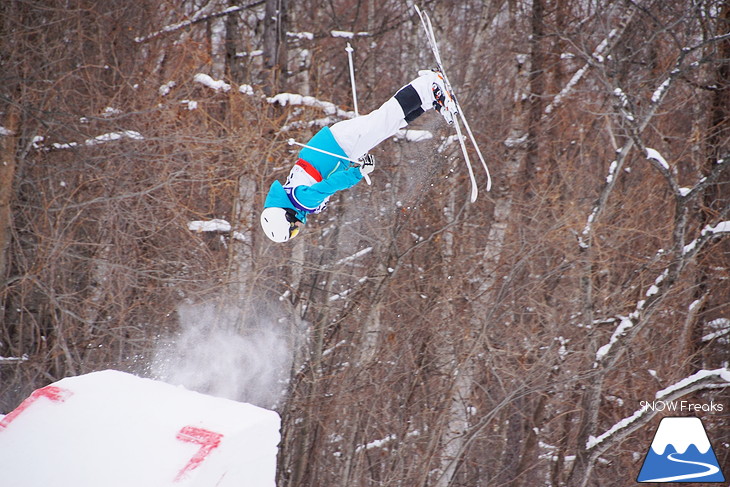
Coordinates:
(584, 237)
(699, 377)
(597, 55)
(347, 34)
(98, 140)
(661, 164)
(207, 81)
(317, 122)
(704, 379)
(215, 226)
(333, 112)
(620, 330)
(628, 322)
(721, 327)
(215, 85)
(654, 154)
(293, 99)
(659, 92)
(112, 136)
(354, 256)
(636, 127)
(376, 444)
(710, 231)
(13, 360)
(413, 135)
(346, 292)
(302, 36)
(201, 15)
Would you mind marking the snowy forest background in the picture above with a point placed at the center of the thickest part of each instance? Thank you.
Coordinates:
(407, 337)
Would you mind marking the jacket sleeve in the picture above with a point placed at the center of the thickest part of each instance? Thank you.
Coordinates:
(313, 196)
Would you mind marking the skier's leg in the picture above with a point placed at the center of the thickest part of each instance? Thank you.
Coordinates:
(417, 96)
(358, 135)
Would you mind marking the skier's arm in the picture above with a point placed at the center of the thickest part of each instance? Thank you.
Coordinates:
(312, 196)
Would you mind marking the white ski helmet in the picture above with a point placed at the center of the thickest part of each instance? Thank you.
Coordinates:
(280, 224)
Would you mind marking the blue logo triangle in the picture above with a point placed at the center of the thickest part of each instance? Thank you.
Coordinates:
(680, 452)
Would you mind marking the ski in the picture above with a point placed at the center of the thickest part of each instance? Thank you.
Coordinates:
(430, 36)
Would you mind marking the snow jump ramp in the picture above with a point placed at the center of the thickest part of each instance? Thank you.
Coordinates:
(112, 429)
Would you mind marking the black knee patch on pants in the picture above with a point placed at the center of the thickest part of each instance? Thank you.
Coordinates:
(414, 114)
(410, 102)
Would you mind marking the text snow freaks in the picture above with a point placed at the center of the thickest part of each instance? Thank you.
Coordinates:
(682, 406)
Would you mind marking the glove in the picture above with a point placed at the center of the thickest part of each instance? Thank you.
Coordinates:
(367, 164)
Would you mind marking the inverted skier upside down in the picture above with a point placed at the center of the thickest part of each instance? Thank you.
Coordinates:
(324, 165)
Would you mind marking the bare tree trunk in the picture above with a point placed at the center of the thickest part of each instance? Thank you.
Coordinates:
(275, 49)
(218, 35)
(716, 196)
(8, 143)
(519, 153)
(456, 426)
(536, 90)
(240, 253)
(459, 371)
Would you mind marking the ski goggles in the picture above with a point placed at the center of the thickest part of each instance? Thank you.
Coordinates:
(291, 217)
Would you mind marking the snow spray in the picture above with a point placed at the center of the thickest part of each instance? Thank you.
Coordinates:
(223, 351)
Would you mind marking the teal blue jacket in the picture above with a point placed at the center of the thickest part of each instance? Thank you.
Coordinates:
(336, 175)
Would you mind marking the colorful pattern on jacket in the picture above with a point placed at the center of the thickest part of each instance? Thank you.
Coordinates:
(311, 196)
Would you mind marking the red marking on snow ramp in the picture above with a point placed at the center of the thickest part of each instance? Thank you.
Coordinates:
(52, 393)
(112, 429)
(208, 441)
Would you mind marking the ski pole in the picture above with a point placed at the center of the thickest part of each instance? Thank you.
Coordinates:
(359, 163)
(349, 50)
(294, 142)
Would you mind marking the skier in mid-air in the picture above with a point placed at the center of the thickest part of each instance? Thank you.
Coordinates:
(324, 166)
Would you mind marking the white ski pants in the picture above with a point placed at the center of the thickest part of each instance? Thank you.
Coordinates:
(358, 135)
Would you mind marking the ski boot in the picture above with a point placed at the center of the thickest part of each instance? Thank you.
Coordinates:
(444, 101)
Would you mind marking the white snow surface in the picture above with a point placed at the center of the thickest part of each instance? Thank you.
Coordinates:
(117, 430)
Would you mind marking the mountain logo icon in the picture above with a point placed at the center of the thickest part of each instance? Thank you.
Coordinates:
(680, 452)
